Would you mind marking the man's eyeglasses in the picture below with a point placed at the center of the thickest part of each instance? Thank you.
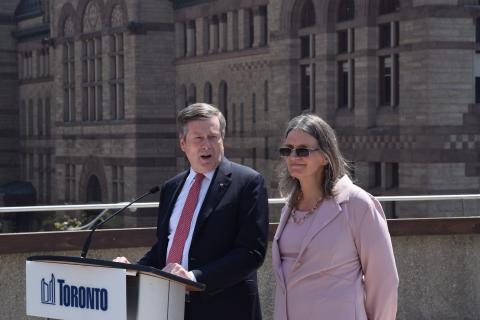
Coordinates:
(297, 152)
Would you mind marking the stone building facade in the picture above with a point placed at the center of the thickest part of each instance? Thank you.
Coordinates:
(92, 88)
(396, 79)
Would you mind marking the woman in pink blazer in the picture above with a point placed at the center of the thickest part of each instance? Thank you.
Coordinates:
(332, 253)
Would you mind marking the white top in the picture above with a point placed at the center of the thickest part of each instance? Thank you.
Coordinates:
(177, 211)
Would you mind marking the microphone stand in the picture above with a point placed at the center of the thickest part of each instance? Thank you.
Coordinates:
(86, 245)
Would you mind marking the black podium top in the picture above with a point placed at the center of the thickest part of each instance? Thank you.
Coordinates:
(189, 285)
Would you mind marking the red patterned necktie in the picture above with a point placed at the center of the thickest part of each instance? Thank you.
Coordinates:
(183, 227)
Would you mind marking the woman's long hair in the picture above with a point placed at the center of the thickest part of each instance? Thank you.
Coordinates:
(336, 168)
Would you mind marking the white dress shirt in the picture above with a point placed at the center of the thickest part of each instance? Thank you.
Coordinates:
(177, 212)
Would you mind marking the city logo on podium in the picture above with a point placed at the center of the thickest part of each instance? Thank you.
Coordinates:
(48, 290)
(73, 296)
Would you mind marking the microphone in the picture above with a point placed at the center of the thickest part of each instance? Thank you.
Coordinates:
(86, 246)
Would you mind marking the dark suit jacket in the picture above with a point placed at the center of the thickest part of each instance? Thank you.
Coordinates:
(229, 242)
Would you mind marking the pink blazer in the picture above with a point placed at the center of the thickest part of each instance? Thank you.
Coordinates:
(345, 269)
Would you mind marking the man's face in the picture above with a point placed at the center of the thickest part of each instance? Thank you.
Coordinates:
(203, 144)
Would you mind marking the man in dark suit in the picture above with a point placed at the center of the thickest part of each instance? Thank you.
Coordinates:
(212, 222)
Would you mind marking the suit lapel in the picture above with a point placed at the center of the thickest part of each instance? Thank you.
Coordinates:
(176, 189)
(220, 183)
(276, 262)
(326, 213)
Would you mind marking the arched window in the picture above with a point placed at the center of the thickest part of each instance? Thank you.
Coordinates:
(389, 6)
(92, 63)
(68, 71)
(94, 191)
(223, 99)
(192, 94)
(307, 15)
(117, 63)
(346, 10)
(207, 93)
(182, 96)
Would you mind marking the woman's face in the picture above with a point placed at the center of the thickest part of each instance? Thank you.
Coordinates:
(310, 166)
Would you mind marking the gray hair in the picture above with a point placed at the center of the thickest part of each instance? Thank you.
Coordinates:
(336, 168)
(199, 111)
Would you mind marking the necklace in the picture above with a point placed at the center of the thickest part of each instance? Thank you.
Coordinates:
(299, 220)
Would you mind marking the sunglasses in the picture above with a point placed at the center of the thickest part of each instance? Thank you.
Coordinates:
(297, 152)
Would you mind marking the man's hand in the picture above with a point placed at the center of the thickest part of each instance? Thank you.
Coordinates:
(121, 260)
(178, 270)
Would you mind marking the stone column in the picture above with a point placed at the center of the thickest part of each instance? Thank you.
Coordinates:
(259, 27)
(222, 44)
(214, 34)
(180, 36)
(202, 35)
(232, 30)
(244, 28)
(191, 38)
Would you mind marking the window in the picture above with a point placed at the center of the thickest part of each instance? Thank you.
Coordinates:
(388, 41)
(92, 79)
(23, 119)
(68, 81)
(207, 93)
(385, 80)
(305, 46)
(92, 97)
(48, 127)
(30, 124)
(40, 117)
(306, 86)
(377, 175)
(342, 37)
(182, 96)
(391, 175)
(384, 35)
(307, 15)
(118, 183)
(343, 84)
(192, 94)
(345, 62)
(307, 53)
(346, 10)
(223, 99)
(389, 6)
(117, 77)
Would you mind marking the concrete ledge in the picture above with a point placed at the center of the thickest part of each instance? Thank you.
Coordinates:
(437, 261)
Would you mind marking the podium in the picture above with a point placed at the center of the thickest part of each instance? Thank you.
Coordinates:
(76, 288)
